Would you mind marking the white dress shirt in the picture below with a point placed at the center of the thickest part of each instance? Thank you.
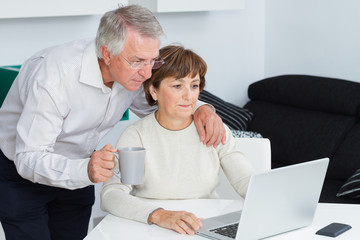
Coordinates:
(56, 112)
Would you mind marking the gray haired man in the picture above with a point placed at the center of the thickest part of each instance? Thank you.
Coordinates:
(64, 100)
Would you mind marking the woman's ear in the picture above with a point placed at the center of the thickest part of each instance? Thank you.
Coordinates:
(152, 91)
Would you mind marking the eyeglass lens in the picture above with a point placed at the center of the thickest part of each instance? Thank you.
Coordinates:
(157, 64)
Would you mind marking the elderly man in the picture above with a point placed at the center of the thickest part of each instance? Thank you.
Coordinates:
(64, 100)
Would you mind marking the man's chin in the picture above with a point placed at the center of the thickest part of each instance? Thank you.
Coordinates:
(133, 87)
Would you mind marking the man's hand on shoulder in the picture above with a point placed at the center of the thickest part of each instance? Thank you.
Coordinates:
(209, 126)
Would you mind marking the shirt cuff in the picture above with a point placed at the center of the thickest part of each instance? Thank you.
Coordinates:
(78, 173)
(200, 103)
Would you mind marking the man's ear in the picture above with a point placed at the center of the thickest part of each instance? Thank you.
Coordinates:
(106, 54)
(152, 91)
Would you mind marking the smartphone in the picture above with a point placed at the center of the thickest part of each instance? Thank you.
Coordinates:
(333, 229)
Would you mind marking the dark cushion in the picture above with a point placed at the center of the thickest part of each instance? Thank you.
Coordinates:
(351, 188)
(236, 118)
(309, 92)
(347, 155)
(299, 135)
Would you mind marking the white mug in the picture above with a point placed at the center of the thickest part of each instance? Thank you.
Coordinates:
(131, 164)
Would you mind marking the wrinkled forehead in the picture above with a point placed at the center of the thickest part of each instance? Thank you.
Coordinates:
(140, 47)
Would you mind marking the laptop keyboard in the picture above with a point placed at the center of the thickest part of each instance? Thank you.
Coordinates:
(228, 230)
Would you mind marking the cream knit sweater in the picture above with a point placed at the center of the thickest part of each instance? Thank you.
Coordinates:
(177, 166)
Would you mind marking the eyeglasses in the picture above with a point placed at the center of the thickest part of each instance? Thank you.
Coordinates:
(154, 63)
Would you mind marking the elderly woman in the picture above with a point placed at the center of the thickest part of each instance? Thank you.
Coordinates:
(177, 165)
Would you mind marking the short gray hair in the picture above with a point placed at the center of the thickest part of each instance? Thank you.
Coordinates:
(112, 30)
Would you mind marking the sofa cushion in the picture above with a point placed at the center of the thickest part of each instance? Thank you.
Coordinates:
(347, 155)
(309, 92)
(236, 118)
(351, 188)
(298, 134)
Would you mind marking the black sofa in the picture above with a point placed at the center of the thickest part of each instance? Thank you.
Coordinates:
(310, 117)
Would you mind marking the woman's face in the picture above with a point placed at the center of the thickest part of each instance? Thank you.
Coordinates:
(176, 98)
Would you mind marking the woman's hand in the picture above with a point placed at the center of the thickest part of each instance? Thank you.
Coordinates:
(180, 221)
(209, 126)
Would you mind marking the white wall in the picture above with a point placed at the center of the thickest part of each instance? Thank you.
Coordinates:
(22, 37)
(231, 42)
(318, 37)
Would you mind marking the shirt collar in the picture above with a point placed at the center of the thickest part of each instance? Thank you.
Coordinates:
(90, 70)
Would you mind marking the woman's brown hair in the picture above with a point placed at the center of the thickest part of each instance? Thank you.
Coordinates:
(179, 63)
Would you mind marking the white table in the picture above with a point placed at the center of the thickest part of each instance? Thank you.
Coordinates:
(115, 228)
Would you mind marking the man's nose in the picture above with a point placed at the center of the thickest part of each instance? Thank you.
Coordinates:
(146, 71)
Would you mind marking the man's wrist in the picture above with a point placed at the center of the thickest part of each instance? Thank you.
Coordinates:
(211, 106)
(201, 103)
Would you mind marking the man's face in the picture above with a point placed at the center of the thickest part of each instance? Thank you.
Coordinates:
(136, 48)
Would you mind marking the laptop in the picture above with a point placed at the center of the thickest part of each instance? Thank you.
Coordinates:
(277, 201)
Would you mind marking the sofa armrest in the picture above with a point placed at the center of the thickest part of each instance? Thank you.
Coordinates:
(258, 151)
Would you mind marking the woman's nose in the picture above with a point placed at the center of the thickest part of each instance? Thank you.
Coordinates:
(187, 93)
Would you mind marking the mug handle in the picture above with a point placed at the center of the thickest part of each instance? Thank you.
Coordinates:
(117, 174)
